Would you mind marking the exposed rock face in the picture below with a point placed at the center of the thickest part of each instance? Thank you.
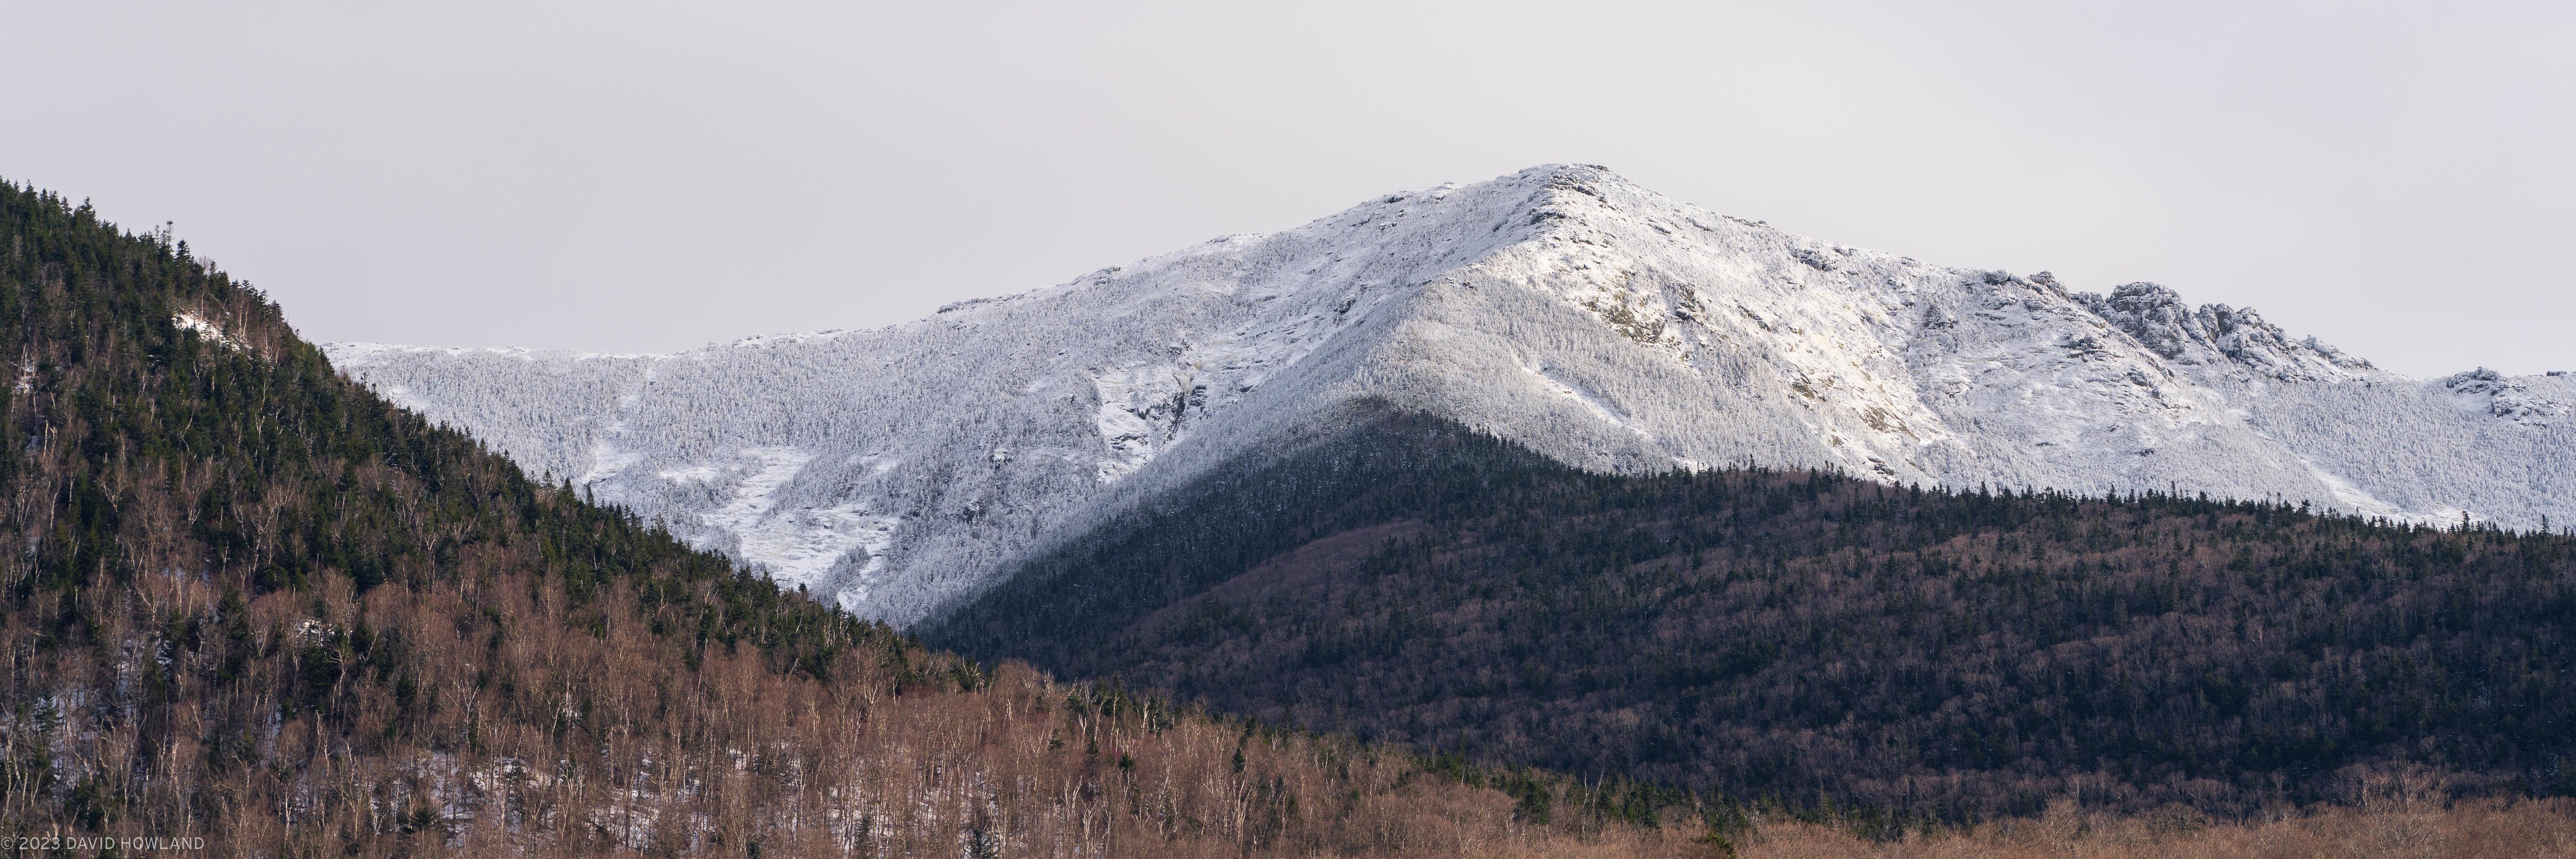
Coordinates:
(2219, 338)
(2504, 397)
(1562, 307)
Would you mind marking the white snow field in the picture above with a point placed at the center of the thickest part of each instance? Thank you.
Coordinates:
(1563, 307)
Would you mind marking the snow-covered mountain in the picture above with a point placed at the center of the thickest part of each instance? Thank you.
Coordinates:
(1562, 307)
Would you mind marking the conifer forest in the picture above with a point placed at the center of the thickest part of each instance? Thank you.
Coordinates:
(250, 608)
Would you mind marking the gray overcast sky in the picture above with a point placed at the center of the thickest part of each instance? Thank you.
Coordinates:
(2394, 178)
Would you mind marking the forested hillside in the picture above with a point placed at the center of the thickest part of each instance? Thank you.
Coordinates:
(245, 601)
(248, 609)
(1819, 638)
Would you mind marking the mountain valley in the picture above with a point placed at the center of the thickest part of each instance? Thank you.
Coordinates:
(1539, 517)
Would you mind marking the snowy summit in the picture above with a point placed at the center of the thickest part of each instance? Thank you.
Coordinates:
(1562, 307)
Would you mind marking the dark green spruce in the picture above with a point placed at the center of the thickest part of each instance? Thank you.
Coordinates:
(1815, 638)
(192, 507)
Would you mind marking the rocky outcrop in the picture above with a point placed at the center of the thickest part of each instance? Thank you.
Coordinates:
(2504, 397)
(2218, 337)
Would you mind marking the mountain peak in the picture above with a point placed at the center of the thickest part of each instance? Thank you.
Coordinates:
(1561, 307)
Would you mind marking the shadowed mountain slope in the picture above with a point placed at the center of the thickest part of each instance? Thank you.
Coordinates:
(1809, 635)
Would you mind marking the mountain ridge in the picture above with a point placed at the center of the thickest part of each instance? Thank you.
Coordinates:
(1562, 307)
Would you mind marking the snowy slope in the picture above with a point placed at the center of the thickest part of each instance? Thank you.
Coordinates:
(1561, 306)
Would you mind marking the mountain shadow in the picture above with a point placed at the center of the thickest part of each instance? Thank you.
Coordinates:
(1815, 637)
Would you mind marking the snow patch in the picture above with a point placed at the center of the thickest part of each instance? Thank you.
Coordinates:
(206, 329)
(1558, 384)
(795, 546)
(2351, 498)
(690, 474)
